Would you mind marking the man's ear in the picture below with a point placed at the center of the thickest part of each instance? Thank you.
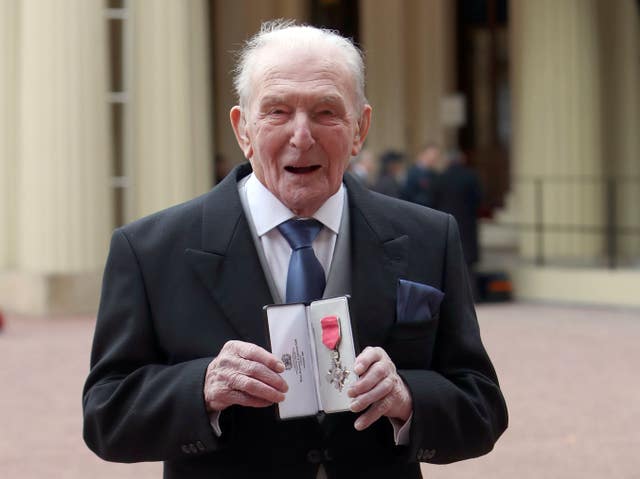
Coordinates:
(239, 125)
(361, 132)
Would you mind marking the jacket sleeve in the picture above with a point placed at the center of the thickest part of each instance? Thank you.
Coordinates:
(458, 409)
(137, 406)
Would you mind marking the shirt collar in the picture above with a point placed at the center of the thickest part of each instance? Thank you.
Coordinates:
(268, 212)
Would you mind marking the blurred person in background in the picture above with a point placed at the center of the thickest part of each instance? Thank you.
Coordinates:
(392, 174)
(363, 167)
(422, 176)
(458, 193)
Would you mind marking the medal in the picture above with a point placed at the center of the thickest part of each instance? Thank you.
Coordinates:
(337, 375)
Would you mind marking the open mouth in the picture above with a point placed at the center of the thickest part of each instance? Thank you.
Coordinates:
(302, 170)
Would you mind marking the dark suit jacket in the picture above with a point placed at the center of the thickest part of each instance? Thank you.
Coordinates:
(182, 282)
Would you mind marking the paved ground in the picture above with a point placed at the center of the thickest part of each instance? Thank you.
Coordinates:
(570, 376)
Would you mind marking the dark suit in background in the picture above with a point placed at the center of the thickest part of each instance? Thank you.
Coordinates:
(457, 192)
(419, 186)
(182, 282)
(391, 168)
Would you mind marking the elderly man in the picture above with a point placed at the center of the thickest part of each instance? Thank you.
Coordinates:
(180, 369)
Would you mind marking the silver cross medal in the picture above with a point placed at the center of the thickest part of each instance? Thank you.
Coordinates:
(337, 375)
(331, 336)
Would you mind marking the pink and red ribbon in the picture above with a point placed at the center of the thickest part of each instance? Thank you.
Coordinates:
(330, 331)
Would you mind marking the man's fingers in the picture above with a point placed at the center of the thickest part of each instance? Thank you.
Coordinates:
(244, 374)
(377, 388)
(255, 353)
(375, 412)
(228, 365)
(263, 374)
(366, 358)
(241, 390)
(258, 389)
(380, 391)
(376, 373)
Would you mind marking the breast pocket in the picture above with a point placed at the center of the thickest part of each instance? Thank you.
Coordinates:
(410, 343)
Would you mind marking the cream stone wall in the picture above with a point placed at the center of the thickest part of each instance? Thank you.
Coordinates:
(172, 130)
(576, 114)
(558, 124)
(9, 87)
(409, 49)
(63, 178)
(55, 155)
(382, 25)
(589, 286)
(619, 25)
(431, 67)
(61, 162)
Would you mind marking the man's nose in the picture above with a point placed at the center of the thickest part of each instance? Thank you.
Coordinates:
(301, 137)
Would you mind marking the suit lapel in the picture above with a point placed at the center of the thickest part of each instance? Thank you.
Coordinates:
(379, 259)
(228, 265)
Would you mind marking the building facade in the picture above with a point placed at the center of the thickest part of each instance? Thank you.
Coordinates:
(113, 109)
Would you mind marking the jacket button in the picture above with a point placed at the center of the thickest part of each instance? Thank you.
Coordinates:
(328, 455)
(185, 449)
(193, 448)
(419, 454)
(200, 446)
(314, 456)
(428, 454)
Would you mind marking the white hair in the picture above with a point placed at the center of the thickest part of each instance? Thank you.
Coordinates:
(286, 33)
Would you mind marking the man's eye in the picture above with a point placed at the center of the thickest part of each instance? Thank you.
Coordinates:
(326, 113)
(277, 111)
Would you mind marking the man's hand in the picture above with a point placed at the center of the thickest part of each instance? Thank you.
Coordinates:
(379, 388)
(243, 374)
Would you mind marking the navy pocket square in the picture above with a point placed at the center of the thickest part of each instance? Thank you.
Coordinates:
(417, 301)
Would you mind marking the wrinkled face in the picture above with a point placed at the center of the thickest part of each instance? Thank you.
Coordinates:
(300, 127)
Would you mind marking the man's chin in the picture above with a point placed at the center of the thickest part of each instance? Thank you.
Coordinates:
(304, 204)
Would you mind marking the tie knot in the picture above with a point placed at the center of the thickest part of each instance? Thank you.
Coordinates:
(300, 233)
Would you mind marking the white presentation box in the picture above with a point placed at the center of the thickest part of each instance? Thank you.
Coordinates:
(295, 334)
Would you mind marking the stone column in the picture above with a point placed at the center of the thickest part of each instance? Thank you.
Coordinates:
(557, 125)
(9, 87)
(410, 68)
(430, 70)
(63, 158)
(620, 43)
(171, 104)
(65, 207)
(382, 30)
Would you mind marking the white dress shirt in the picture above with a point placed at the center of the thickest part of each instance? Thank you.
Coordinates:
(266, 212)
